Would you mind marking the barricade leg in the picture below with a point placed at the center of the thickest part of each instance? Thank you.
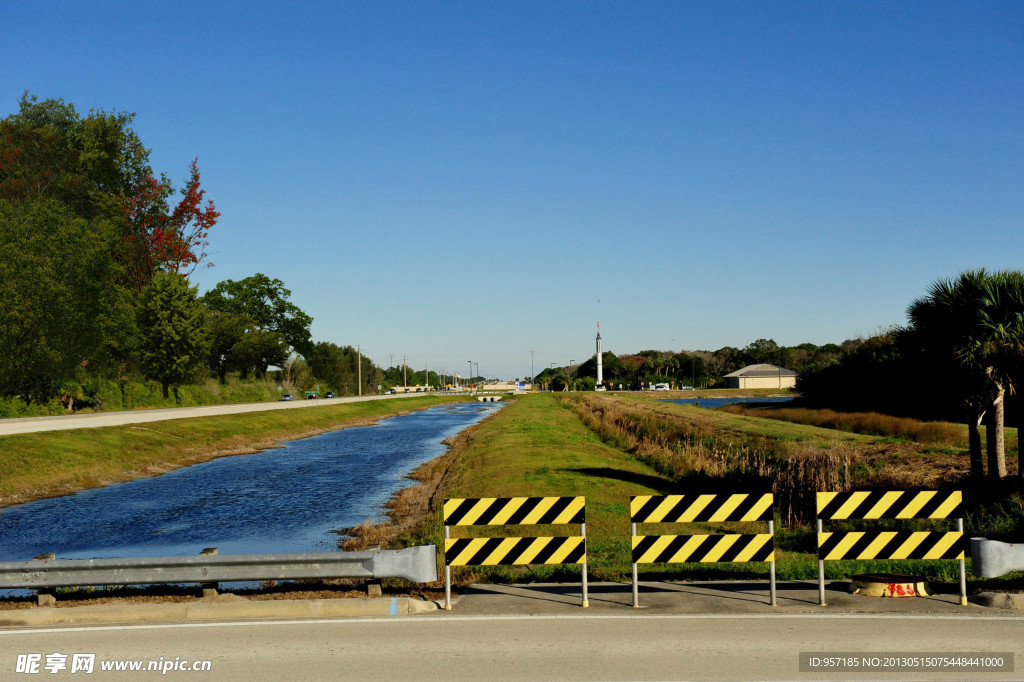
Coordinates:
(771, 566)
(636, 586)
(583, 532)
(963, 572)
(447, 575)
(821, 572)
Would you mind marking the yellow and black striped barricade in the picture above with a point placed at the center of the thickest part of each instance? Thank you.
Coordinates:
(893, 545)
(681, 549)
(514, 551)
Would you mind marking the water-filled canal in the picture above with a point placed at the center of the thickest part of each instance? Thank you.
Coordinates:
(284, 499)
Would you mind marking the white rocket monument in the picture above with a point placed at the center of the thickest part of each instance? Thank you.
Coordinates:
(600, 373)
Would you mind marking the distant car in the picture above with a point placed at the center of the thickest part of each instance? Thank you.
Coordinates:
(686, 388)
(329, 394)
(600, 388)
(660, 387)
(286, 396)
(392, 391)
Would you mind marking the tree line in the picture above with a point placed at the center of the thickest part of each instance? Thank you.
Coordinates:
(959, 357)
(96, 252)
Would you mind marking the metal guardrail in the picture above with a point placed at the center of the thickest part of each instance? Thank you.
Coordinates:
(992, 559)
(417, 564)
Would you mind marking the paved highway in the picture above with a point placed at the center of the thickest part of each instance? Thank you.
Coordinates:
(87, 421)
(450, 646)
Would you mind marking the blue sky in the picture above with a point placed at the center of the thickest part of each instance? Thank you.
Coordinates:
(454, 182)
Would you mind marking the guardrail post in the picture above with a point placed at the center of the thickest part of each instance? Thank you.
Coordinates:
(46, 596)
(209, 589)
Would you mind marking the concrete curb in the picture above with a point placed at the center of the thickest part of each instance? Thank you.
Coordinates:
(998, 600)
(215, 611)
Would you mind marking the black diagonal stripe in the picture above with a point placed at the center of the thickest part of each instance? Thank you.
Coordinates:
(551, 515)
(550, 548)
(577, 554)
(929, 543)
(492, 510)
(511, 557)
(741, 544)
(647, 509)
(836, 538)
(461, 510)
(832, 508)
(521, 513)
(747, 505)
(676, 544)
(937, 501)
(642, 547)
(873, 498)
(485, 551)
(454, 550)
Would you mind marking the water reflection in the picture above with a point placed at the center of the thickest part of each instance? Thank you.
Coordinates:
(283, 499)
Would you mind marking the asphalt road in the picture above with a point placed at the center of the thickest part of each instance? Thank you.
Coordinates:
(10, 427)
(685, 631)
(563, 647)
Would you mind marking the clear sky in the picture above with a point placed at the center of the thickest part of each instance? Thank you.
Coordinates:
(470, 181)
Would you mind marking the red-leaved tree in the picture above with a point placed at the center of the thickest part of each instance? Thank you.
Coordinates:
(161, 239)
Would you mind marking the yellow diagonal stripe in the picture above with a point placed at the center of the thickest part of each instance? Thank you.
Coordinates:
(450, 506)
(570, 510)
(543, 505)
(947, 541)
(872, 550)
(482, 505)
(758, 509)
(919, 500)
(909, 545)
(687, 550)
(499, 552)
(466, 554)
(659, 546)
(568, 545)
(726, 509)
(637, 503)
(947, 507)
(664, 508)
(724, 542)
(533, 550)
(696, 508)
(883, 505)
(755, 544)
(840, 550)
(823, 499)
(851, 504)
(507, 511)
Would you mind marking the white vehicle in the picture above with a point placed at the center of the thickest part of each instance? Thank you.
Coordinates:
(660, 387)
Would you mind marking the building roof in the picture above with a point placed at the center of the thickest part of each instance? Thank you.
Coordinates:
(762, 371)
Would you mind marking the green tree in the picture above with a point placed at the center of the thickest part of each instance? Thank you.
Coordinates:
(224, 331)
(266, 301)
(60, 305)
(172, 328)
(974, 323)
(257, 350)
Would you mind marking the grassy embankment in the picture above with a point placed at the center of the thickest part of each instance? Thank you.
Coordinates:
(610, 447)
(48, 464)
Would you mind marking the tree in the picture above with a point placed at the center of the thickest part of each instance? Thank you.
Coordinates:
(60, 306)
(172, 330)
(223, 332)
(257, 350)
(266, 301)
(974, 322)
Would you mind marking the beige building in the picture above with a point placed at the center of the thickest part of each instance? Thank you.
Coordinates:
(761, 376)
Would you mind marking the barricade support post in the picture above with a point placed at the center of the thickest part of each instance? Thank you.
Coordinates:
(706, 548)
(892, 545)
(514, 551)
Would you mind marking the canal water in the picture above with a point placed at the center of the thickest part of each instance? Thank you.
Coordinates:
(285, 499)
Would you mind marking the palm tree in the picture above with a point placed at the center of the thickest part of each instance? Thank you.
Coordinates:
(977, 321)
(946, 326)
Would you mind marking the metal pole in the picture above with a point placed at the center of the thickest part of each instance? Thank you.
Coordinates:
(963, 574)
(447, 575)
(821, 569)
(771, 564)
(583, 532)
(636, 587)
